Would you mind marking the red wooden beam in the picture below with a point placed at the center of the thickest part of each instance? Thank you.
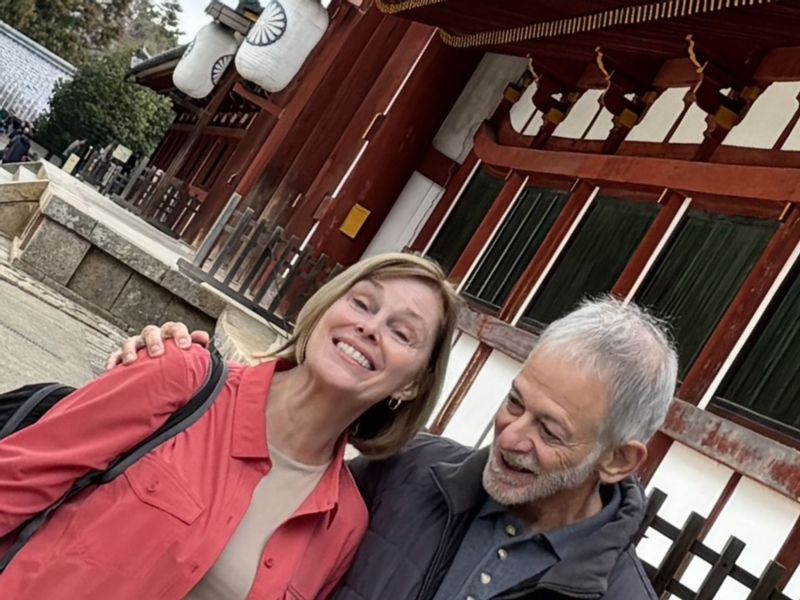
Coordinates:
(491, 220)
(259, 101)
(753, 455)
(437, 167)
(758, 183)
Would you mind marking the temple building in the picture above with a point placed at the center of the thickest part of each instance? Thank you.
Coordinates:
(541, 152)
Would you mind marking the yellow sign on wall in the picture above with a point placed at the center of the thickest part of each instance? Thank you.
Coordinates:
(354, 221)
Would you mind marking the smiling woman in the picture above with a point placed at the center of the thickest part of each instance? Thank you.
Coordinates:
(254, 498)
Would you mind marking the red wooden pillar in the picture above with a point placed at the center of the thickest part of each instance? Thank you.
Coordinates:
(673, 206)
(400, 140)
(451, 193)
(267, 136)
(512, 188)
(551, 244)
(479, 358)
(361, 125)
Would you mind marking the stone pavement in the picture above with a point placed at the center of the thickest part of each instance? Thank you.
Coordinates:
(46, 337)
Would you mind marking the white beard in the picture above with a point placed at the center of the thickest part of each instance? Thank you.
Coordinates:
(511, 489)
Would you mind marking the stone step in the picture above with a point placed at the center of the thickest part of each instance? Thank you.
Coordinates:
(19, 201)
(241, 336)
(24, 173)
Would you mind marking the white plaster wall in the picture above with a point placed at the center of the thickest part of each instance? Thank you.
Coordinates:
(792, 588)
(601, 127)
(767, 118)
(581, 115)
(662, 115)
(476, 103)
(483, 399)
(407, 216)
(692, 126)
(460, 355)
(28, 73)
(523, 114)
(692, 482)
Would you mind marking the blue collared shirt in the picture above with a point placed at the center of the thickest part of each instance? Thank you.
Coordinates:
(497, 555)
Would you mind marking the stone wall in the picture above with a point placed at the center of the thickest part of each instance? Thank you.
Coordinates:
(28, 73)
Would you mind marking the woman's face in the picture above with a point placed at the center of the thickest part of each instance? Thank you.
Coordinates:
(374, 341)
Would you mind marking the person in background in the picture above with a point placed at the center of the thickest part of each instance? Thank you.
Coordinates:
(18, 148)
(549, 510)
(253, 501)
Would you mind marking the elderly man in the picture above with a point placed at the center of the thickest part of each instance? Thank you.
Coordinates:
(548, 511)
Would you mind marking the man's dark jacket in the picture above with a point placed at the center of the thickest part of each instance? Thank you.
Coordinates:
(421, 503)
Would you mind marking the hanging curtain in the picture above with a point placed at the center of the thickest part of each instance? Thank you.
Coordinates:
(766, 378)
(464, 219)
(594, 259)
(514, 246)
(700, 272)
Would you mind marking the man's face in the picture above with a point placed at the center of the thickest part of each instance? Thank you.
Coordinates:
(547, 432)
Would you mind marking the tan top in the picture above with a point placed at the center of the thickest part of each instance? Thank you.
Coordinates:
(276, 498)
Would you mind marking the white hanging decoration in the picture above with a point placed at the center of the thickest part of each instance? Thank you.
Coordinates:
(280, 41)
(205, 60)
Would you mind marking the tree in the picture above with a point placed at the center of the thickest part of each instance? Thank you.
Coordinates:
(152, 26)
(76, 30)
(102, 106)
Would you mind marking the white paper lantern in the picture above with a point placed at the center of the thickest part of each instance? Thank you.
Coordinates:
(205, 60)
(280, 41)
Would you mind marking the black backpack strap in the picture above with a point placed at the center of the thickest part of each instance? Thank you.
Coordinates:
(29, 406)
(179, 421)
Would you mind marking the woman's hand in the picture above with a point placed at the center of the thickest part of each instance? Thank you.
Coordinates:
(152, 337)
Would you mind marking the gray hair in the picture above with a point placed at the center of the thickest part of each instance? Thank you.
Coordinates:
(628, 348)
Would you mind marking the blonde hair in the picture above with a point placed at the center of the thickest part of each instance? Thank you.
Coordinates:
(380, 431)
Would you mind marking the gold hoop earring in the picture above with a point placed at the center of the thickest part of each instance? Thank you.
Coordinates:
(394, 403)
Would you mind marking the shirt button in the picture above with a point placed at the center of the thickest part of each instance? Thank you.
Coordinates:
(511, 530)
(269, 563)
(151, 487)
(486, 579)
(502, 554)
(470, 597)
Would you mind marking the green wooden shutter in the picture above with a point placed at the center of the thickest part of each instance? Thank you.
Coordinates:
(766, 378)
(514, 246)
(594, 259)
(464, 219)
(700, 272)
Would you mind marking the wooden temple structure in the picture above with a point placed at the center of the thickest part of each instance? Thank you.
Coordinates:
(542, 152)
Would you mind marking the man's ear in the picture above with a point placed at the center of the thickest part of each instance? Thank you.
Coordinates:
(618, 463)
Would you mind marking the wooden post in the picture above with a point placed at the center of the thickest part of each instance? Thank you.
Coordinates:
(510, 191)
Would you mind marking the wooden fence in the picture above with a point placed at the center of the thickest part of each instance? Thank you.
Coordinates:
(261, 267)
(687, 545)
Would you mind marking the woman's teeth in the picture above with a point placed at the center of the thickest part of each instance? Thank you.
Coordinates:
(354, 354)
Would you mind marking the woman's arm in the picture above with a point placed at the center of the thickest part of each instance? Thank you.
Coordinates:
(90, 428)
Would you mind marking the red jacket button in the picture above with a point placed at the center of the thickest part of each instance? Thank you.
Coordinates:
(268, 563)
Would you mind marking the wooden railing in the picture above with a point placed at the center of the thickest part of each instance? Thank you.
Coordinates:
(168, 205)
(687, 545)
(261, 267)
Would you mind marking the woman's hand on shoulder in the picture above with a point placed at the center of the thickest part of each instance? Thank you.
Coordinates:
(153, 338)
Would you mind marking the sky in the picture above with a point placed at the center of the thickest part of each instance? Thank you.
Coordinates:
(194, 17)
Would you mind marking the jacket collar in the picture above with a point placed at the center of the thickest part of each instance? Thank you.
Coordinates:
(586, 570)
(250, 435)
(462, 483)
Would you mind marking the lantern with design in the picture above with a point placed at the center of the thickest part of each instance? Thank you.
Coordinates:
(205, 60)
(280, 41)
